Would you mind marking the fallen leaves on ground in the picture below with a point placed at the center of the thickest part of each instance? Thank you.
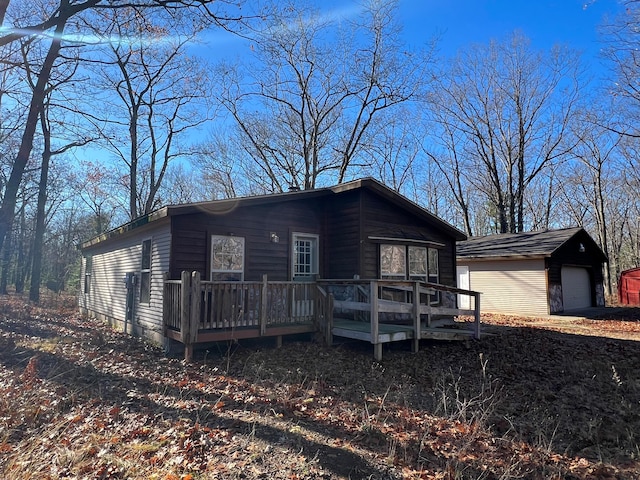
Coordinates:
(80, 400)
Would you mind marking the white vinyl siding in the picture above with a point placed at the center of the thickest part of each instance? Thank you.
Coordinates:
(513, 286)
(107, 297)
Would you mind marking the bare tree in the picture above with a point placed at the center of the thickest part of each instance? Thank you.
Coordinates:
(64, 73)
(621, 39)
(391, 153)
(308, 104)
(159, 94)
(508, 110)
(50, 26)
(629, 206)
(449, 156)
(597, 154)
(621, 48)
(94, 184)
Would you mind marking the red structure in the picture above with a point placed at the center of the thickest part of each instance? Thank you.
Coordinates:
(629, 287)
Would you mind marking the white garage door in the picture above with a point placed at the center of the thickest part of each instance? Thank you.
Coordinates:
(576, 288)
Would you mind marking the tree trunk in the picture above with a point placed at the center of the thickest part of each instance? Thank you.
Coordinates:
(3, 10)
(21, 263)
(6, 264)
(8, 206)
(36, 267)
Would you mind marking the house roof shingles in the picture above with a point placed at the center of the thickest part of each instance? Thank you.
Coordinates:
(227, 205)
(530, 244)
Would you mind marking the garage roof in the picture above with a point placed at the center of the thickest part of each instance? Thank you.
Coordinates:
(537, 244)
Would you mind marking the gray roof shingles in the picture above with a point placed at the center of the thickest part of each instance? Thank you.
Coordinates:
(530, 244)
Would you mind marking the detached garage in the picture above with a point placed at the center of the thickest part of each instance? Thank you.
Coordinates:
(533, 273)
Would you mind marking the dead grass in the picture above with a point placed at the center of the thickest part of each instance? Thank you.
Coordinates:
(78, 400)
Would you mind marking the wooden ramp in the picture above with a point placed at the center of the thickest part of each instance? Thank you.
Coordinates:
(384, 311)
(362, 331)
(396, 333)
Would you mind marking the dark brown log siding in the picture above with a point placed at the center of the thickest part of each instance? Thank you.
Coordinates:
(383, 219)
(191, 237)
(344, 223)
(342, 259)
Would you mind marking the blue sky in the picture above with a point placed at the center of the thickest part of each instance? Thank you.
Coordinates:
(459, 23)
(545, 22)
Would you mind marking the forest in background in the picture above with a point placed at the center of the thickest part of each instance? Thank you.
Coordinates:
(112, 109)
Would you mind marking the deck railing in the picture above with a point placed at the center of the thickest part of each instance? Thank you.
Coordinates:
(196, 310)
(413, 303)
(192, 308)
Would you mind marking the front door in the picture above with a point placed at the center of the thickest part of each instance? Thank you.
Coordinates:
(304, 268)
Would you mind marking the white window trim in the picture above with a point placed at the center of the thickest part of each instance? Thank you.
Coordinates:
(316, 254)
(146, 270)
(241, 272)
(88, 273)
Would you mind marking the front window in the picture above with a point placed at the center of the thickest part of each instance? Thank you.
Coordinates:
(305, 255)
(404, 262)
(145, 273)
(227, 258)
(418, 263)
(434, 273)
(393, 262)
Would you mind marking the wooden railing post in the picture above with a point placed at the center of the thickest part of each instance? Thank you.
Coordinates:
(377, 346)
(329, 320)
(476, 330)
(196, 304)
(190, 311)
(416, 316)
(264, 298)
(185, 307)
(166, 303)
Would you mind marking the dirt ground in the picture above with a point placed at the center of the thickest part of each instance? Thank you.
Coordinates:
(552, 398)
(613, 322)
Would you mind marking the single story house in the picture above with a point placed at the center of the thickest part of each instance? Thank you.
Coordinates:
(533, 273)
(356, 230)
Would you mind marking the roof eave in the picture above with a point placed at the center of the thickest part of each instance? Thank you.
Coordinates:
(407, 203)
(482, 258)
(228, 205)
(127, 227)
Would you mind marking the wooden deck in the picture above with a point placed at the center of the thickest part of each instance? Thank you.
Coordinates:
(375, 311)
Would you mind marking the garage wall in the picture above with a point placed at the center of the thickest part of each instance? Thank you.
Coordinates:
(510, 286)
